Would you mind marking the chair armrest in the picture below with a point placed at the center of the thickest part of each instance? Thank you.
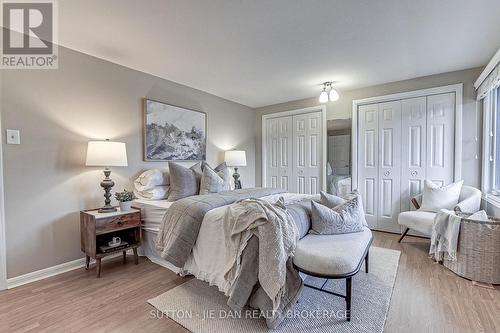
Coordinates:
(416, 201)
(471, 204)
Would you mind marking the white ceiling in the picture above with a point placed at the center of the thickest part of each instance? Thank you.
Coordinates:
(261, 52)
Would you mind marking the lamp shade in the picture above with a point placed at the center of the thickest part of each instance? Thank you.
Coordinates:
(106, 154)
(235, 158)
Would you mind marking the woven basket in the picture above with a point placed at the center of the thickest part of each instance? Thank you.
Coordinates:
(478, 252)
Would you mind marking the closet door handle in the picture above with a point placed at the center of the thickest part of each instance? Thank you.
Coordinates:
(387, 173)
(414, 173)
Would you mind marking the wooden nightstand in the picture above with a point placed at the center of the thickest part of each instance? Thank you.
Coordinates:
(97, 229)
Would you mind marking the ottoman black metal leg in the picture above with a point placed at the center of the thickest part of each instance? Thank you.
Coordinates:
(348, 285)
(366, 260)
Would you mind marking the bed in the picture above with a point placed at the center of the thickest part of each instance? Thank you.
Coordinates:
(206, 261)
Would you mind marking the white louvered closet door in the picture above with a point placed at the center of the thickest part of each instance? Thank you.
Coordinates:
(440, 155)
(389, 171)
(414, 141)
(307, 151)
(368, 155)
(279, 153)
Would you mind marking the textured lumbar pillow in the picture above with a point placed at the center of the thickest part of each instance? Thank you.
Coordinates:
(343, 219)
(215, 180)
(330, 200)
(184, 182)
(435, 197)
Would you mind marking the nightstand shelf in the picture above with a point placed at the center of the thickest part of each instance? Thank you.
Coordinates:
(98, 229)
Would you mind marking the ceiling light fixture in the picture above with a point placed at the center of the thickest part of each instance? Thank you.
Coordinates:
(331, 96)
(323, 97)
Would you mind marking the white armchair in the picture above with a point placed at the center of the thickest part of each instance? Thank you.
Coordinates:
(422, 221)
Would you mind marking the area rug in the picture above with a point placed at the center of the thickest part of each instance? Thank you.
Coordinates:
(202, 308)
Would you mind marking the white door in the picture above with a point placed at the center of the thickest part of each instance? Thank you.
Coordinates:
(389, 171)
(340, 158)
(414, 142)
(279, 153)
(368, 161)
(307, 152)
(440, 138)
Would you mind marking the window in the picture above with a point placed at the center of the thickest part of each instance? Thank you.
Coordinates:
(491, 147)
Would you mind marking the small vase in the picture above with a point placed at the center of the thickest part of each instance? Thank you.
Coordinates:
(125, 206)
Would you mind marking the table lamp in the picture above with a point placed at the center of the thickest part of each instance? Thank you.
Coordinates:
(106, 154)
(236, 158)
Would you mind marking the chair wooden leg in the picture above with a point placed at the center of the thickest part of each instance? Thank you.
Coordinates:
(403, 235)
(348, 286)
(124, 257)
(87, 262)
(366, 260)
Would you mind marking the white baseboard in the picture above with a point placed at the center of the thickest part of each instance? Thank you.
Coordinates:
(51, 271)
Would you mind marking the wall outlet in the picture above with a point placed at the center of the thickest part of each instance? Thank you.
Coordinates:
(13, 137)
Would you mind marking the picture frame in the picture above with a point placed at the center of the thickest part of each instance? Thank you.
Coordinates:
(173, 133)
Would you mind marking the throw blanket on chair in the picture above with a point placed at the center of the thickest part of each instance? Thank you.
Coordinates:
(444, 239)
(270, 234)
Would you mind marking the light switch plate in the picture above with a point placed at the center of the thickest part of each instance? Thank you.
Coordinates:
(13, 137)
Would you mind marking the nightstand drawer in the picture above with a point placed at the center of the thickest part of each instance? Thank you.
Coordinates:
(114, 223)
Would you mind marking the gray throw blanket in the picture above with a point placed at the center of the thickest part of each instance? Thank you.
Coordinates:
(444, 238)
(181, 224)
(260, 242)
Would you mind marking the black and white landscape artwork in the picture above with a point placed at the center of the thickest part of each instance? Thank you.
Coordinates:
(173, 133)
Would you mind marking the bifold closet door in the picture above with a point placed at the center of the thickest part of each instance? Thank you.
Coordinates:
(368, 156)
(389, 171)
(307, 152)
(279, 143)
(414, 142)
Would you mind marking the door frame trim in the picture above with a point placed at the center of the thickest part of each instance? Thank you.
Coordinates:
(317, 108)
(453, 88)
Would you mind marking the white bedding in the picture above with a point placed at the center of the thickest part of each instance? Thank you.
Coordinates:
(207, 259)
(152, 212)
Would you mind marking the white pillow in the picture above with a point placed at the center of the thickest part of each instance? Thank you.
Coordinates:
(329, 170)
(156, 193)
(436, 198)
(149, 179)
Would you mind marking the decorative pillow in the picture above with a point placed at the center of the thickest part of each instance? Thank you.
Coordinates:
(330, 200)
(479, 216)
(343, 219)
(436, 198)
(329, 170)
(184, 182)
(151, 178)
(214, 180)
(223, 171)
(156, 193)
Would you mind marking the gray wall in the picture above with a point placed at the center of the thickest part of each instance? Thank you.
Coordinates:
(57, 112)
(343, 109)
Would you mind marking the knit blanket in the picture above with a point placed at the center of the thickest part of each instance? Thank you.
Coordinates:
(444, 238)
(277, 234)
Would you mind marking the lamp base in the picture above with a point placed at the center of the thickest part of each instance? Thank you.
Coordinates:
(237, 182)
(107, 184)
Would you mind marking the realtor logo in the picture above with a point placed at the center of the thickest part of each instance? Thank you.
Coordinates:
(29, 34)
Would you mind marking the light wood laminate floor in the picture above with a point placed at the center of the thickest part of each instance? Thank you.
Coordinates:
(427, 298)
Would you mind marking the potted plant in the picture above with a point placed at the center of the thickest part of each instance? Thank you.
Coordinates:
(125, 199)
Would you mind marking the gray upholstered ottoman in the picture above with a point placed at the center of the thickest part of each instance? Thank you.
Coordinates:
(334, 257)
